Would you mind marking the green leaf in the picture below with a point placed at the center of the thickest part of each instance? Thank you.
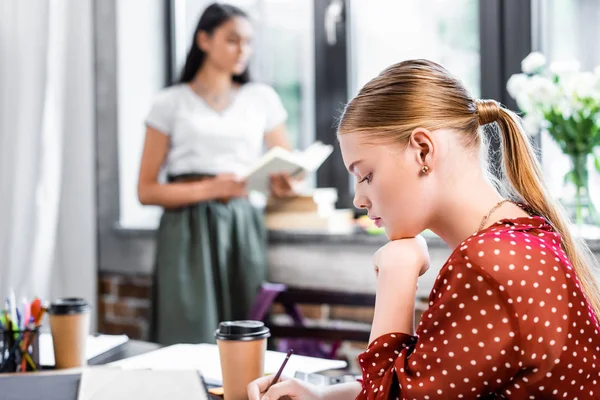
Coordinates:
(597, 162)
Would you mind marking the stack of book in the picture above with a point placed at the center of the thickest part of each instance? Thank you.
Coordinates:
(303, 213)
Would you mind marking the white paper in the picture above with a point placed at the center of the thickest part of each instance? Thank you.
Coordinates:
(205, 359)
(95, 346)
(279, 160)
(118, 384)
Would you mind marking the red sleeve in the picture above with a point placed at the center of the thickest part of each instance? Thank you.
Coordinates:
(465, 345)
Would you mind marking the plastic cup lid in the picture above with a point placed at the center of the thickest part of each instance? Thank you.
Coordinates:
(242, 330)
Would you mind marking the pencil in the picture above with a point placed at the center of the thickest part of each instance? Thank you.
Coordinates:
(278, 374)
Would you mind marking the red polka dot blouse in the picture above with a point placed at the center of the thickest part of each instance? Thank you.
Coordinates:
(507, 319)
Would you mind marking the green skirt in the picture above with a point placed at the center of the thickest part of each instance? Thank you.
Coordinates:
(210, 263)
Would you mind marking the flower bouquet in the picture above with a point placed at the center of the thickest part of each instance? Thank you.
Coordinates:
(564, 101)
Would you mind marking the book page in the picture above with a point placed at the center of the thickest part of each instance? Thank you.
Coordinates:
(315, 155)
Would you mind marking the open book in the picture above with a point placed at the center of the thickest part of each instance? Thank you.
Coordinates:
(279, 160)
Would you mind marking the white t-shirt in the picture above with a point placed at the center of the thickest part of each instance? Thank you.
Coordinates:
(208, 142)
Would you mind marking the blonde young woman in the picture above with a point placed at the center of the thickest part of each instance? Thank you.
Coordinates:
(514, 311)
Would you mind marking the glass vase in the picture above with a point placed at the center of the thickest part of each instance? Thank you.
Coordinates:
(576, 198)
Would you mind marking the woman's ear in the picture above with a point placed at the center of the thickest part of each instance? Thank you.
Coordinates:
(203, 41)
(422, 145)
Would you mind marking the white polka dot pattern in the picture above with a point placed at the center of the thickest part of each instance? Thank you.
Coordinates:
(506, 319)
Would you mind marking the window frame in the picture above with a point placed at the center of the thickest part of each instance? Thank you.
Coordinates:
(502, 25)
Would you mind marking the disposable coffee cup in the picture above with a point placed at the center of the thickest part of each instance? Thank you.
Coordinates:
(70, 327)
(242, 347)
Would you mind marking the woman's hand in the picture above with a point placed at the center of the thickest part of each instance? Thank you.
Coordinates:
(228, 186)
(281, 185)
(398, 266)
(290, 388)
(403, 256)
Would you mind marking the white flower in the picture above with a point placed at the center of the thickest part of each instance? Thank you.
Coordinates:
(524, 102)
(567, 106)
(542, 92)
(533, 62)
(584, 85)
(564, 68)
(516, 84)
(532, 124)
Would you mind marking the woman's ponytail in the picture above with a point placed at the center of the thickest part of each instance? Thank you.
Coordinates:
(523, 172)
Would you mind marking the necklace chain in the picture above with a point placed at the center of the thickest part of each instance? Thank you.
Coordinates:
(485, 219)
(215, 98)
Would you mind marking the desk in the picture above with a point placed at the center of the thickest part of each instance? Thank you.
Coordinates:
(129, 349)
(48, 385)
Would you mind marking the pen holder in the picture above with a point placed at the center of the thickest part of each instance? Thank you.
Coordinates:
(19, 350)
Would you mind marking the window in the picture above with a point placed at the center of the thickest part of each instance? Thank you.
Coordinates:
(141, 73)
(384, 32)
(284, 59)
(479, 41)
(579, 18)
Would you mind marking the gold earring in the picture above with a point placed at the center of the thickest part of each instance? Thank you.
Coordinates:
(425, 169)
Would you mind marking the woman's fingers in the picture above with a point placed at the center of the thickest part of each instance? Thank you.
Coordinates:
(284, 389)
(257, 387)
(281, 185)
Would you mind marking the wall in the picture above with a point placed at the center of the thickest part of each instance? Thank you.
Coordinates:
(117, 251)
(124, 304)
(141, 73)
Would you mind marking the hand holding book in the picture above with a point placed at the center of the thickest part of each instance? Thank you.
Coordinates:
(282, 185)
(279, 161)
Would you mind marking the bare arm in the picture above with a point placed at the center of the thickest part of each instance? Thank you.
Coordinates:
(343, 391)
(394, 304)
(278, 137)
(399, 264)
(173, 195)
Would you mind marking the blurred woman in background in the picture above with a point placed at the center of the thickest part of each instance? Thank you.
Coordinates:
(206, 130)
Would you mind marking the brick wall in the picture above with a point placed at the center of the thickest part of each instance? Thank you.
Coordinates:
(124, 305)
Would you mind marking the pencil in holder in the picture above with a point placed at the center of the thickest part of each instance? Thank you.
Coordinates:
(19, 350)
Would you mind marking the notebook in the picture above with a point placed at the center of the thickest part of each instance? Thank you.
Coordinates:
(279, 160)
(117, 384)
(55, 385)
(205, 359)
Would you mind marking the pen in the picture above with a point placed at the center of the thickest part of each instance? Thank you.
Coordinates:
(4, 319)
(278, 374)
(19, 320)
(13, 308)
(26, 314)
(36, 308)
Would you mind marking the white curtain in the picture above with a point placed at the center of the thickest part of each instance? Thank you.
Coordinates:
(47, 223)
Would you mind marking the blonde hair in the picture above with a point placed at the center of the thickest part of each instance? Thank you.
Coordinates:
(421, 93)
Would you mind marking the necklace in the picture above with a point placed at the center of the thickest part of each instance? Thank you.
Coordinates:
(217, 101)
(497, 206)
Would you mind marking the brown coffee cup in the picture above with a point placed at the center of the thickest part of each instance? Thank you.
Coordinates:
(70, 327)
(242, 347)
